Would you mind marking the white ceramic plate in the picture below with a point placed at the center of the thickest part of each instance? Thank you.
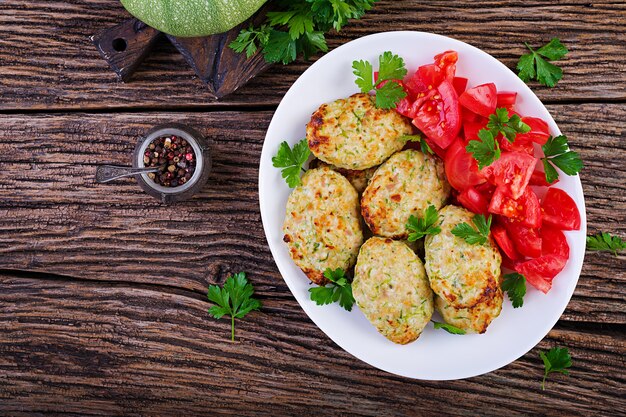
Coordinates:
(436, 355)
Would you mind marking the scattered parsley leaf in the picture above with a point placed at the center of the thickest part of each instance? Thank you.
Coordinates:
(555, 360)
(426, 148)
(515, 286)
(533, 66)
(411, 138)
(473, 236)
(390, 70)
(486, 150)
(234, 299)
(290, 160)
(297, 27)
(420, 227)
(557, 153)
(605, 242)
(500, 122)
(448, 327)
(340, 289)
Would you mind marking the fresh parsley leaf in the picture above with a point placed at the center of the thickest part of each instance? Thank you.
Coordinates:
(422, 226)
(249, 40)
(426, 148)
(486, 150)
(364, 75)
(555, 360)
(411, 138)
(390, 67)
(500, 122)
(448, 327)
(280, 47)
(534, 66)
(290, 160)
(557, 153)
(234, 299)
(515, 286)
(389, 94)
(473, 236)
(605, 242)
(340, 289)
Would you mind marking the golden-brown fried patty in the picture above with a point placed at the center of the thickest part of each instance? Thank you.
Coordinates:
(353, 134)
(391, 289)
(358, 179)
(475, 319)
(406, 184)
(322, 224)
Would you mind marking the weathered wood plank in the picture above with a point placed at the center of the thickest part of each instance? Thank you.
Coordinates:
(48, 61)
(55, 219)
(85, 348)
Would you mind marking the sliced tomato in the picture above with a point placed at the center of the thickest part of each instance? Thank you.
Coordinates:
(525, 209)
(511, 172)
(554, 242)
(481, 99)
(541, 271)
(446, 61)
(474, 201)
(517, 146)
(506, 99)
(471, 117)
(438, 117)
(471, 129)
(461, 169)
(539, 131)
(560, 210)
(508, 262)
(539, 179)
(504, 242)
(526, 240)
(441, 153)
(460, 84)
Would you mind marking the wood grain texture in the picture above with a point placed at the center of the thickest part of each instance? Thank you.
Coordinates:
(126, 350)
(49, 62)
(55, 219)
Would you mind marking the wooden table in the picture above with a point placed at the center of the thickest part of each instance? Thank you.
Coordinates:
(103, 305)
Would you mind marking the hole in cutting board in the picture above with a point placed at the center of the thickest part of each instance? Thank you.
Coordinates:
(119, 44)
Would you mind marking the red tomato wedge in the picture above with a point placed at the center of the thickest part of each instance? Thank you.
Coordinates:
(506, 99)
(554, 242)
(481, 99)
(526, 239)
(560, 211)
(438, 117)
(539, 131)
(460, 84)
(541, 271)
(525, 209)
(517, 146)
(446, 61)
(469, 116)
(539, 179)
(461, 168)
(511, 172)
(474, 201)
(471, 129)
(504, 242)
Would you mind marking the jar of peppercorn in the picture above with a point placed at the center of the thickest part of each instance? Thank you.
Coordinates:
(180, 155)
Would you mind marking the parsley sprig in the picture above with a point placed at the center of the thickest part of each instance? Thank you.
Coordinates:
(390, 69)
(448, 327)
(297, 27)
(605, 242)
(419, 227)
(418, 138)
(515, 286)
(340, 289)
(234, 299)
(478, 236)
(535, 65)
(557, 153)
(486, 150)
(290, 160)
(555, 360)
(509, 127)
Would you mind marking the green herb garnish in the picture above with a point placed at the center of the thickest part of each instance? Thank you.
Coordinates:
(422, 226)
(557, 153)
(555, 360)
(234, 299)
(605, 242)
(448, 327)
(533, 66)
(478, 236)
(290, 160)
(500, 122)
(515, 286)
(390, 70)
(486, 150)
(340, 289)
